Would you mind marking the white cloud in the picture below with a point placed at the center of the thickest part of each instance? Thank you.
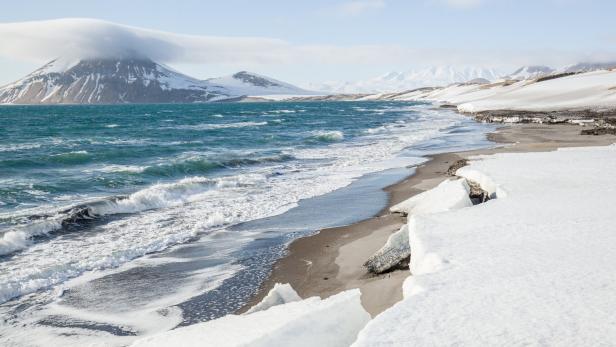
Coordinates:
(357, 7)
(41, 41)
(90, 38)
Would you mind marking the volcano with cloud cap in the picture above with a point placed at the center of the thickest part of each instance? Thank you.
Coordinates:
(131, 80)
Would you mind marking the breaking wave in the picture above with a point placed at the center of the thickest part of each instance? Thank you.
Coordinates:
(328, 136)
(75, 157)
(158, 196)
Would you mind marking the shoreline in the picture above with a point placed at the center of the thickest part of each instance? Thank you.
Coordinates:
(331, 260)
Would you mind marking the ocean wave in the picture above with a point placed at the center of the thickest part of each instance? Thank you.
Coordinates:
(111, 126)
(328, 136)
(377, 130)
(119, 168)
(282, 111)
(74, 157)
(162, 195)
(19, 147)
(199, 165)
(209, 126)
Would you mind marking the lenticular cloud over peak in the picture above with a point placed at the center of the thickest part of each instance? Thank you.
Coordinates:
(90, 38)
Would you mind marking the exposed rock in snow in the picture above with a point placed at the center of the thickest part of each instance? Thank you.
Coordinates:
(450, 194)
(534, 267)
(334, 321)
(280, 294)
(394, 253)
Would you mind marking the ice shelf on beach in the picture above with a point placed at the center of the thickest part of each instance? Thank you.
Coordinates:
(334, 321)
(535, 266)
(448, 195)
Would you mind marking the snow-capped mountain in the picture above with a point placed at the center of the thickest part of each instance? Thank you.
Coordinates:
(399, 81)
(112, 81)
(248, 83)
(530, 72)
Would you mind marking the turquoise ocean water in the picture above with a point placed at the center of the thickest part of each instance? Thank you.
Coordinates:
(117, 221)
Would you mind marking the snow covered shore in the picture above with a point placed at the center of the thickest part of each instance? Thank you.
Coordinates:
(533, 265)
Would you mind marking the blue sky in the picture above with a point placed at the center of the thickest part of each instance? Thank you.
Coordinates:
(352, 39)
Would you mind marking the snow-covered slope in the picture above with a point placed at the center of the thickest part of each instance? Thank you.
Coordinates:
(400, 81)
(112, 81)
(594, 91)
(587, 91)
(252, 84)
(530, 72)
(532, 267)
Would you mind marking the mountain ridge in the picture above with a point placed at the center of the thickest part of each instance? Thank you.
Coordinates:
(132, 80)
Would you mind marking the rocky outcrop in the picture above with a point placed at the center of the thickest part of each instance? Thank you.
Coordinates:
(395, 254)
(582, 117)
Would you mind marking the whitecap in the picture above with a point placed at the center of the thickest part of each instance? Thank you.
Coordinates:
(328, 136)
(18, 147)
(119, 168)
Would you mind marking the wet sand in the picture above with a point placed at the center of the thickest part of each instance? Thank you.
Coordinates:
(332, 260)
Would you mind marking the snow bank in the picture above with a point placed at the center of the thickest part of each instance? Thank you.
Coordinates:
(448, 195)
(312, 322)
(279, 295)
(532, 268)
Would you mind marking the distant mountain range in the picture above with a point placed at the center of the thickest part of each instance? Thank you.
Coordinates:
(447, 75)
(399, 81)
(111, 81)
(114, 81)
